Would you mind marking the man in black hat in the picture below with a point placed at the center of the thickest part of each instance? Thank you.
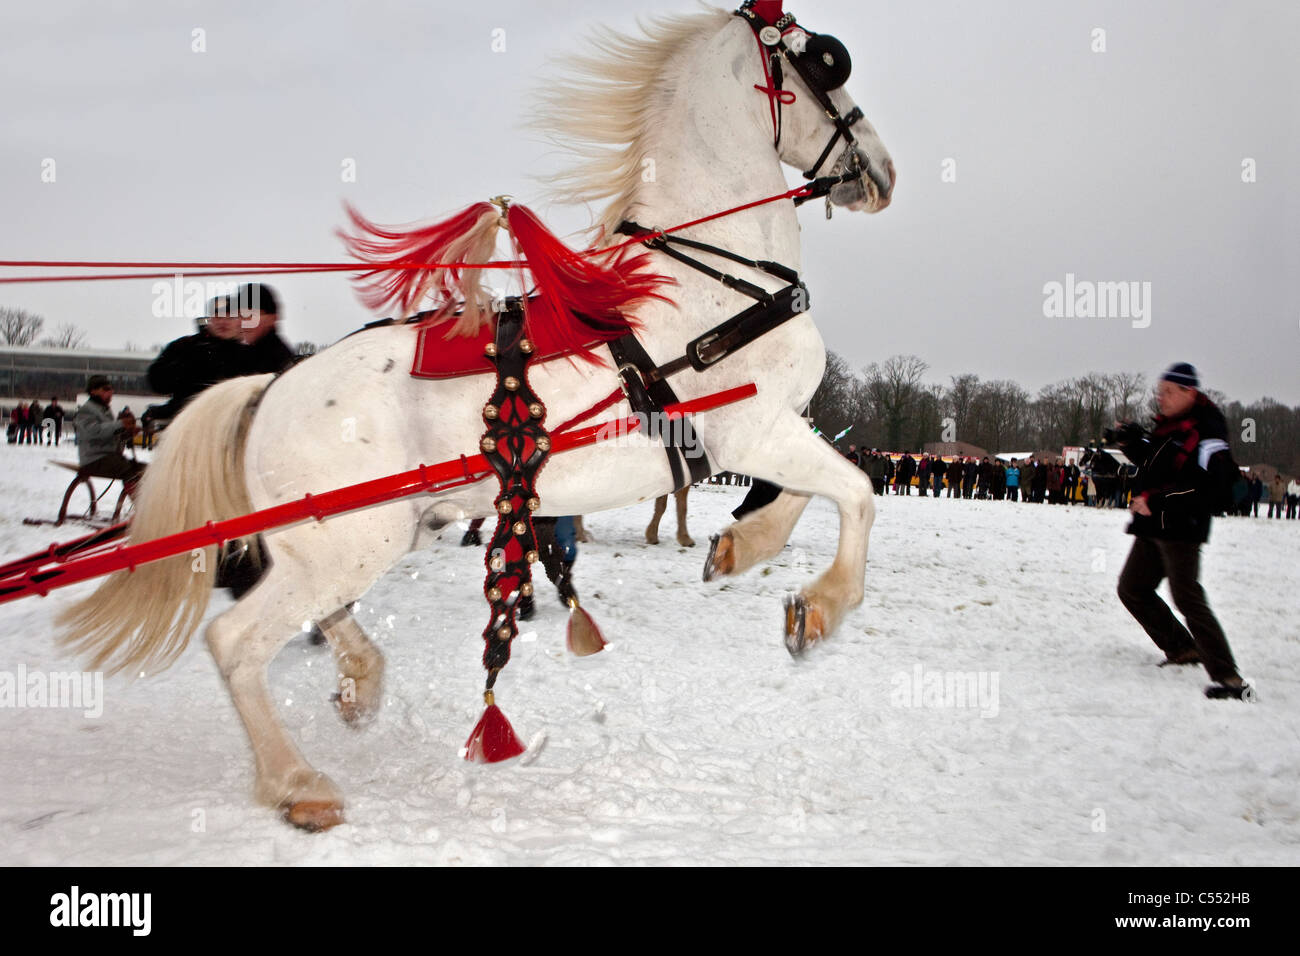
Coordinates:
(1182, 464)
(258, 309)
(100, 436)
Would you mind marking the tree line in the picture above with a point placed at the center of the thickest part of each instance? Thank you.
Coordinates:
(890, 405)
(22, 328)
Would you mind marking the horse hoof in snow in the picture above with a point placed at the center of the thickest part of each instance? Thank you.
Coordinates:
(685, 540)
(721, 559)
(804, 624)
(314, 815)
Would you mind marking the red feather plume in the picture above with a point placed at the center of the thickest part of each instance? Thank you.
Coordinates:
(582, 297)
(385, 287)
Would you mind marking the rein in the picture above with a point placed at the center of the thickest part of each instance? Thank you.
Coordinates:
(800, 194)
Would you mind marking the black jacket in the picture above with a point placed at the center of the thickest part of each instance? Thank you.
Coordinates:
(1181, 464)
(270, 353)
(189, 365)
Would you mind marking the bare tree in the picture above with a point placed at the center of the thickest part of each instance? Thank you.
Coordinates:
(961, 402)
(1094, 396)
(66, 336)
(1125, 390)
(894, 390)
(19, 327)
(838, 401)
(1002, 413)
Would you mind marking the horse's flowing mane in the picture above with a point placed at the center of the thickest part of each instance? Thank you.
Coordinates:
(606, 111)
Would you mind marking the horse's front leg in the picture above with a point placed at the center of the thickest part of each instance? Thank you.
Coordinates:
(807, 466)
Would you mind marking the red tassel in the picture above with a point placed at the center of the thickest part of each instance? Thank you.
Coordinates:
(386, 288)
(769, 10)
(583, 297)
(493, 739)
(583, 637)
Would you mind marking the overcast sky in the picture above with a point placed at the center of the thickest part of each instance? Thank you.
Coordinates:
(1117, 166)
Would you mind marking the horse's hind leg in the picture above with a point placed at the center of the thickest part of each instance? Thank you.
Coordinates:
(683, 536)
(243, 641)
(360, 665)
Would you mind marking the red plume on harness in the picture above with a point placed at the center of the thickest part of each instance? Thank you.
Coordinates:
(580, 299)
(388, 286)
(769, 10)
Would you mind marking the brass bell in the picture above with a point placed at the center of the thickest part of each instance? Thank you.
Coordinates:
(490, 411)
(544, 443)
(504, 633)
(534, 504)
(494, 594)
(536, 410)
(490, 349)
(526, 588)
(531, 557)
(488, 444)
(520, 528)
(511, 383)
(525, 346)
(505, 507)
(497, 563)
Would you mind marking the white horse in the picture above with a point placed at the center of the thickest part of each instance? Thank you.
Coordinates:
(684, 96)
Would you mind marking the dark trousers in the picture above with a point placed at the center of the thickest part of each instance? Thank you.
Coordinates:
(1149, 562)
(115, 466)
(760, 493)
(937, 482)
(1013, 493)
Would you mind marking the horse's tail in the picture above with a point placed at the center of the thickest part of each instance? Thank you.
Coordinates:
(143, 619)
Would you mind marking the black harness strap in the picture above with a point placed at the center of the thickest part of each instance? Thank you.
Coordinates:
(687, 458)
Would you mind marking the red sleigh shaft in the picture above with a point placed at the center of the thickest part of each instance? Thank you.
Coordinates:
(424, 479)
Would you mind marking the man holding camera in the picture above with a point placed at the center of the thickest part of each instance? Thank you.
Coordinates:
(1182, 462)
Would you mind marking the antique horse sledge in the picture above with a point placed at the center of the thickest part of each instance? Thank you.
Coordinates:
(720, 102)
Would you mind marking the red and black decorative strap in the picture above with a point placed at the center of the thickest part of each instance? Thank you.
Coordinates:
(516, 446)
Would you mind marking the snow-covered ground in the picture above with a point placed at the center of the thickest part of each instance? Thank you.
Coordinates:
(696, 738)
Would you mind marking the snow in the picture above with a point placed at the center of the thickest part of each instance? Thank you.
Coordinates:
(696, 738)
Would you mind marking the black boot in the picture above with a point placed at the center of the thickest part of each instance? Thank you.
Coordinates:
(240, 565)
(471, 537)
(564, 584)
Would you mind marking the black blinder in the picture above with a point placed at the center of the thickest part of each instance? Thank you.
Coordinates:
(825, 61)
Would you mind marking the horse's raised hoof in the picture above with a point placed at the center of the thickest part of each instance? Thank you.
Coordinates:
(804, 624)
(314, 816)
(721, 559)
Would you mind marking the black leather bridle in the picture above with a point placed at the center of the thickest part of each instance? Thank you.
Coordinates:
(823, 66)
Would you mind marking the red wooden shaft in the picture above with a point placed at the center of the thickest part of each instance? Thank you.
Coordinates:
(447, 474)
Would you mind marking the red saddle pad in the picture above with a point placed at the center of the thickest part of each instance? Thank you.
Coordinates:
(437, 356)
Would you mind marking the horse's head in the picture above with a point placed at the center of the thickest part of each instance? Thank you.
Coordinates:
(817, 126)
